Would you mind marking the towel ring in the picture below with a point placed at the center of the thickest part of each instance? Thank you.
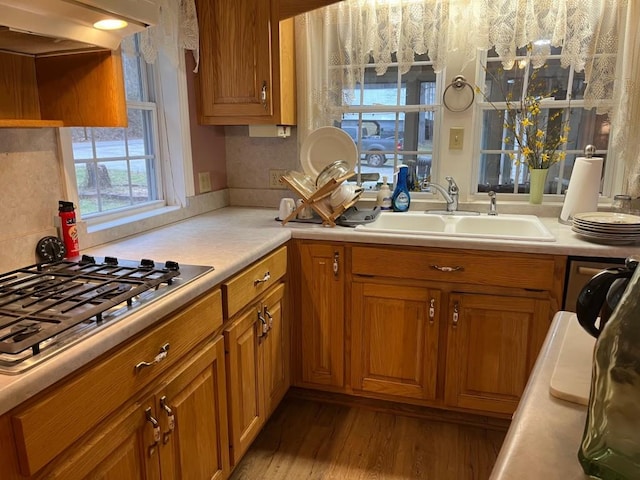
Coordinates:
(458, 83)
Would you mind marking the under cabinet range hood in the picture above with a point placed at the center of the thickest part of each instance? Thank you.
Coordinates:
(38, 27)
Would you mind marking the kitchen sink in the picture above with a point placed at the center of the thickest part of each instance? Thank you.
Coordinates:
(504, 227)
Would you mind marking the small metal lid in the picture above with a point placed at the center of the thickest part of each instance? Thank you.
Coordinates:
(589, 151)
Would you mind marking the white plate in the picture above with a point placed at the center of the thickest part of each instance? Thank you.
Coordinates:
(324, 146)
(611, 218)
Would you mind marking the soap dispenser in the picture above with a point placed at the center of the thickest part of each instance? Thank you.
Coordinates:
(400, 200)
(383, 199)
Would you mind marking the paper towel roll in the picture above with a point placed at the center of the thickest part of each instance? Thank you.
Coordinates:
(584, 188)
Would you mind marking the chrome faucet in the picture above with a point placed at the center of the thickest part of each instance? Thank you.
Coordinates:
(450, 194)
(492, 203)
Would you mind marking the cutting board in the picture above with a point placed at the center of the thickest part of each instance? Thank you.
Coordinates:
(571, 378)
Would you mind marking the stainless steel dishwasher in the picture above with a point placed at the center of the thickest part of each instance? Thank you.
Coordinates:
(579, 271)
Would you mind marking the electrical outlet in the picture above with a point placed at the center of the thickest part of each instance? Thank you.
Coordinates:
(274, 178)
(204, 179)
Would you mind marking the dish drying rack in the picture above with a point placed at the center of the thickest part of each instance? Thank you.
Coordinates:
(313, 200)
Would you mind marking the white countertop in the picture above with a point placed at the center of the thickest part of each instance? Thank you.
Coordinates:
(230, 239)
(545, 434)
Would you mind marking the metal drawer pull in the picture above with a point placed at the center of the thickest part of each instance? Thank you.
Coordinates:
(264, 327)
(164, 351)
(455, 315)
(263, 95)
(432, 310)
(448, 269)
(156, 431)
(266, 278)
(269, 316)
(170, 417)
(336, 264)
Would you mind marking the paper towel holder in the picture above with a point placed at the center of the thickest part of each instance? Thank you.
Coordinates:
(589, 151)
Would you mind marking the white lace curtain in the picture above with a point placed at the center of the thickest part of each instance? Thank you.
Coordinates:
(352, 32)
(177, 30)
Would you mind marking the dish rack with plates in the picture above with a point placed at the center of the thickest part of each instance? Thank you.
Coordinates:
(312, 199)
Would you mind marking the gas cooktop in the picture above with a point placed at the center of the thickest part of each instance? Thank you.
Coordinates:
(47, 307)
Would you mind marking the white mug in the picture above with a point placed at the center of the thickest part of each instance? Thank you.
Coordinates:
(287, 206)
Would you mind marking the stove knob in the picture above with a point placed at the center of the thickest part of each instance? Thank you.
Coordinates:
(110, 260)
(87, 259)
(171, 265)
(147, 263)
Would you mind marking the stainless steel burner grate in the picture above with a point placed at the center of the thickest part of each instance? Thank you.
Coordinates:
(46, 305)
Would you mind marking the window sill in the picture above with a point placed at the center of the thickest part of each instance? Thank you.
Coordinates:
(93, 232)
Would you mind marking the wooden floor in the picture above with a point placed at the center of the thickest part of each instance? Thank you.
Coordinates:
(309, 440)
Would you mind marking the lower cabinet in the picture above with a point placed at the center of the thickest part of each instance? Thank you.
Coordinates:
(321, 328)
(447, 328)
(256, 344)
(394, 341)
(492, 344)
(178, 431)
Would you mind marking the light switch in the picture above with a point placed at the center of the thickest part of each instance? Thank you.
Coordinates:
(456, 138)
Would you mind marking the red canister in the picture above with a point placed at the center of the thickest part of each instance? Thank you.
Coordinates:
(67, 214)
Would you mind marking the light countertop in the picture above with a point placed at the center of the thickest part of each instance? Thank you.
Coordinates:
(230, 239)
(546, 432)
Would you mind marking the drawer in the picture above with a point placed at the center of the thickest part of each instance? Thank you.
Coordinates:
(537, 272)
(77, 405)
(242, 289)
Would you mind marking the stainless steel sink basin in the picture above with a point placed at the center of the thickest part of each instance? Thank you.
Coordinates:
(504, 227)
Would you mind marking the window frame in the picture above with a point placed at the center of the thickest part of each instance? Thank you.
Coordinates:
(611, 171)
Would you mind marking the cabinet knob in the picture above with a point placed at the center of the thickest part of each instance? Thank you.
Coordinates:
(336, 263)
(432, 310)
(456, 313)
(263, 95)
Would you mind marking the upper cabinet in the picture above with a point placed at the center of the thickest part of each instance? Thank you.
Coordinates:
(79, 89)
(247, 71)
(290, 8)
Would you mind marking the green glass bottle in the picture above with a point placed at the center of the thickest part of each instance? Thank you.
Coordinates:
(610, 448)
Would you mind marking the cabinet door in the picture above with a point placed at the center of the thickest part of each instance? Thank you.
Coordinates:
(192, 411)
(275, 348)
(492, 344)
(235, 65)
(244, 380)
(123, 447)
(322, 312)
(394, 339)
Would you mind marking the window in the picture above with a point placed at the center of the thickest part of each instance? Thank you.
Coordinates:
(117, 168)
(499, 169)
(392, 118)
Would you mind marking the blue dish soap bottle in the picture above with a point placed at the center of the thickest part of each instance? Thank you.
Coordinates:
(400, 200)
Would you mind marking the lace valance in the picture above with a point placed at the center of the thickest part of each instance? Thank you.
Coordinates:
(177, 30)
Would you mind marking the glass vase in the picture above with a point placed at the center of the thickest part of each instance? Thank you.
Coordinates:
(537, 180)
(610, 447)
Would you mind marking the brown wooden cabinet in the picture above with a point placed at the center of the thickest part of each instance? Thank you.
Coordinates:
(257, 346)
(394, 341)
(320, 330)
(450, 328)
(257, 367)
(492, 344)
(247, 71)
(79, 89)
(111, 421)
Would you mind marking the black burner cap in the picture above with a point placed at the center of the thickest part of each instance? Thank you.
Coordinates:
(87, 259)
(171, 265)
(111, 260)
(147, 263)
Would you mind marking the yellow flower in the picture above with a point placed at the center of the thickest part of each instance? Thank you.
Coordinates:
(540, 134)
(526, 151)
(526, 122)
(544, 157)
(563, 140)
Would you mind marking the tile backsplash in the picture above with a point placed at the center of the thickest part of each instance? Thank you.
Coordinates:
(31, 185)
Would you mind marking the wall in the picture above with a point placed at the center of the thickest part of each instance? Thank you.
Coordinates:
(30, 187)
(249, 160)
